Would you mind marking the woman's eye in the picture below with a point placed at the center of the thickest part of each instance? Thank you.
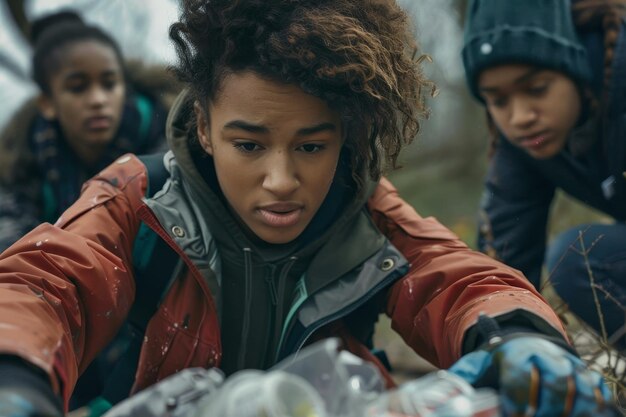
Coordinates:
(538, 90)
(247, 146)
(311, 148)
(76, 88)
(498, 102)
(109, 84)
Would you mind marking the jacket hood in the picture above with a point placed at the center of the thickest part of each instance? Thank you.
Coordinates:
(16, 159)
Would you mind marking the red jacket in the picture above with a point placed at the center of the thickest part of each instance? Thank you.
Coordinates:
(65, 289)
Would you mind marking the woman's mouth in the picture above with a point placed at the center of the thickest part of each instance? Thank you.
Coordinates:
(533, 141)
(98, 123)
(281, 214)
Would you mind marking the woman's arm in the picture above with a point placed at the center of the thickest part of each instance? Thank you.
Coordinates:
(448, 285)
(66, 288)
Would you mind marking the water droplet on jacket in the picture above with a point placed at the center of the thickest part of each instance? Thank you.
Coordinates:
(39, 243)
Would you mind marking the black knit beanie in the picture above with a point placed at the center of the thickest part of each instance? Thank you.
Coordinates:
(533, 32)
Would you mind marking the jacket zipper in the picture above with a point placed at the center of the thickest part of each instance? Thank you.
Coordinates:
(245, 328)
(393, 276)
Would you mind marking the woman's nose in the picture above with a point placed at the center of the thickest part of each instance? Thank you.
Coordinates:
(522, 113)
(281, 178)
(97, 96)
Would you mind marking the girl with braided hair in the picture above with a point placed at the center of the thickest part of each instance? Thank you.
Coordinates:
(281, 227)
(93, 106)
(552, 76)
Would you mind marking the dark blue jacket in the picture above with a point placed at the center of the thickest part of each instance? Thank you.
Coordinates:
(520, 189)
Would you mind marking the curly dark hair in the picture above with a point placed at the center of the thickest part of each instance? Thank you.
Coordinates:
(359, 56)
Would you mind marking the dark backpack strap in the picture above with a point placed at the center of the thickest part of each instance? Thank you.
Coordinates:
(154, 264)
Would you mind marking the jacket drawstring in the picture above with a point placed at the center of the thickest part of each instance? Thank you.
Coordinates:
(282, 280)
(271, 285)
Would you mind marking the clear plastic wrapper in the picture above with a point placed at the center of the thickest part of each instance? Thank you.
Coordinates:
(343, 380)
(320, 381)
(258, 394)
(438, 394)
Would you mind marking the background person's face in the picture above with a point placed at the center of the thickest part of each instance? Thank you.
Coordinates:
(534, 108)
(87, 97)
(275, 149)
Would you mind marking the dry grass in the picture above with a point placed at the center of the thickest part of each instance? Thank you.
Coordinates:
(595, 349)
(595, 346)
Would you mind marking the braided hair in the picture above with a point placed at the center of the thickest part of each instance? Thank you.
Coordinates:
(605, 15)
(51, 34)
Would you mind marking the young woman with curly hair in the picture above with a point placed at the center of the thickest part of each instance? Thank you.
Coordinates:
(281, 225)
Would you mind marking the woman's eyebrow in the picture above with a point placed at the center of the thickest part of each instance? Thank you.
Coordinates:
(256, 128)
(248, 127)
(76, 75)
(306, 131)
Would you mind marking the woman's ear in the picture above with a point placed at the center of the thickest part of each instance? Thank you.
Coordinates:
(46, 108)
(202, 128)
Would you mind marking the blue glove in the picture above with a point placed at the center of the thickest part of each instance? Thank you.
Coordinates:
(536, 377)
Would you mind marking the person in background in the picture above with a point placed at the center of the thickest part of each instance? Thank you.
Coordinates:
(552, 76)
(282, 228)
(92, 108)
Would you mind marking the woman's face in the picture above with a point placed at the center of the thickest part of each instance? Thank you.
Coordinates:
(87, 97)
(534, 108)
(275, 150)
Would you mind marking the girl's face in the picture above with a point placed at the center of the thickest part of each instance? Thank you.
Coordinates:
(534, 108)
(87, 97)
(275, 150)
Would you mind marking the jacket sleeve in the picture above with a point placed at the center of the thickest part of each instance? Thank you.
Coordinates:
(448, 284)
(65, 289)
(19, 214)
(514, 212)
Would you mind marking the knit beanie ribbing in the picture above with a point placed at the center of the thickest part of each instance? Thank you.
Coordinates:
(533, 32)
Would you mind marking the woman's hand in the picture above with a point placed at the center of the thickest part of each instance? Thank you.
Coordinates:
(536, 377)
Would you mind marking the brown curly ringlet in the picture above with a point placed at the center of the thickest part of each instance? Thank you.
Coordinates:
(359, 56)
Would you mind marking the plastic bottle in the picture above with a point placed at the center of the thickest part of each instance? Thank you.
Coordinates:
(439, 394)
(258, 394)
